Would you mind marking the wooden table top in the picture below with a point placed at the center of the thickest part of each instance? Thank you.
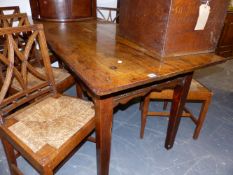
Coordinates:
(108, 63)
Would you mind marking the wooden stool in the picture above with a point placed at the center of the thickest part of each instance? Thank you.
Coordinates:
(197, 93)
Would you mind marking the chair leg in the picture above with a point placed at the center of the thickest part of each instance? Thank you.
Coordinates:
(79, 91)
(202, 115)
(144, 109)
(165, 103)
(141, 104)
(10, 154)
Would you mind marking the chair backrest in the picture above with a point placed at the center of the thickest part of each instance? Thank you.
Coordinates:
(9, 10)
(10, 101)
(108, 14)
(14, 20)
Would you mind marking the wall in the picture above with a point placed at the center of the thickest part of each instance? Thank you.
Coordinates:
(107, 3)
(25, 7)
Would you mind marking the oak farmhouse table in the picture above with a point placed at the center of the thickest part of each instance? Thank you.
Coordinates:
(114, 70)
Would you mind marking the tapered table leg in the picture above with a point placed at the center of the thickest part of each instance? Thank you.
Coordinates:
(179, 98)
(104, 113)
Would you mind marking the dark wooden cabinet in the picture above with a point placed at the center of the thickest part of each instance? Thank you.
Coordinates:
(225, 45)
(63, 10)
(166, 27)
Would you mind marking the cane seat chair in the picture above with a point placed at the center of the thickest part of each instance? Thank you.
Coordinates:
(197, 93)
(41, 125)
(63, 79)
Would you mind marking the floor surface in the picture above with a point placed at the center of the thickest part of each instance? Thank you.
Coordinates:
(211, 154)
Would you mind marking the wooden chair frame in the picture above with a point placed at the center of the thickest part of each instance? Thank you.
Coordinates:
(15, 9)
(22, 19)
(109, 15)
(11, 102)
(202, 96)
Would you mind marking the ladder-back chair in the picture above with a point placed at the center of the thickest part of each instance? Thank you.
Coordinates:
(41, 125)
(63, 79)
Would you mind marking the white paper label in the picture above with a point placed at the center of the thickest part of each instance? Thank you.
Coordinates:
(204, 12)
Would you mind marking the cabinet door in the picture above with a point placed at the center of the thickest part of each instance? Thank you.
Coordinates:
(54, 9)
(80, 8)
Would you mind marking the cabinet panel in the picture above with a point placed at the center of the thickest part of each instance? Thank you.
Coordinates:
(225, 45)
(167, 27)
(80, 8)
(53, 9)
(63, 10)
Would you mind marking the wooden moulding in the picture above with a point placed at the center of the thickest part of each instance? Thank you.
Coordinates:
(166, 27)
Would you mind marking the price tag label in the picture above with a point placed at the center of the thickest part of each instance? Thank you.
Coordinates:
(204, 11)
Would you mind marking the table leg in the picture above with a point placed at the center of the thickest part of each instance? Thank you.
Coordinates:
(104, 116)
(179, 98)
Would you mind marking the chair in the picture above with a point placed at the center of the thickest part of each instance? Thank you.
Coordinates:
(197, 93)
(63, 79)
(9, 10)
(41, 125)
(111, 12)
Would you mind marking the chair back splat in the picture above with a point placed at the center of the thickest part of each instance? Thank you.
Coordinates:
(14, 20)
(19, 72)
(63, 79)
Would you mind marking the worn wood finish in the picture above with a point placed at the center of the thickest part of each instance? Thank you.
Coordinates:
(225, 44)
(46, 159)
(64, 10)
(170, 25)
(94, 46)
(92, 49)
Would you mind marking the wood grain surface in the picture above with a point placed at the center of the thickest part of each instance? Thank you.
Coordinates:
(108, 63)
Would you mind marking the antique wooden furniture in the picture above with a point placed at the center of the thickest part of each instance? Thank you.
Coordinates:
(46, 131)
(225, 44)
(115, 70)
(63, 79)
(197, 93)
(112, 14)
(170, 25)
(4, 10)
(63, 10)
(9, 10)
